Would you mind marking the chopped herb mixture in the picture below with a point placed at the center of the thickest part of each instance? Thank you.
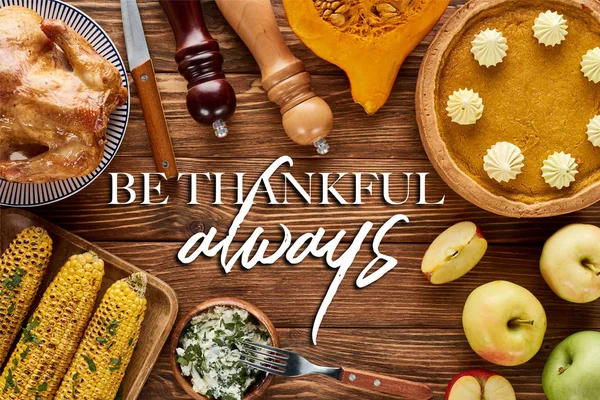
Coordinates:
(209, 352)
(10, 287)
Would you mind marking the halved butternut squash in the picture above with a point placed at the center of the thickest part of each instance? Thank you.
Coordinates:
(368, 39)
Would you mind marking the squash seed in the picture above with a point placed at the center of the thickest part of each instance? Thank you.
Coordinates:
(343, 9)
(385, 8)
(354, 16)
(337, 19)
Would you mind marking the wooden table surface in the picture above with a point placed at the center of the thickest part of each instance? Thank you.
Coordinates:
(401, 325)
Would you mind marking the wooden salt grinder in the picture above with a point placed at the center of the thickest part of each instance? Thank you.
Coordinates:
(307, 119)
(210, 98)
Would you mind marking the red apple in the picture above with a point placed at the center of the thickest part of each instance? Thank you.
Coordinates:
(479, 384)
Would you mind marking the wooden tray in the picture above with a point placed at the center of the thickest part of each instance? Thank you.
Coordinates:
(435, 146)
(162, 301)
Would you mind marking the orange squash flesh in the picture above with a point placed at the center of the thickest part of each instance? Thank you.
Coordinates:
(368, 39)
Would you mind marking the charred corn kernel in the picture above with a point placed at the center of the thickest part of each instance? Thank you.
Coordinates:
(107, 346)
(50, 338)
(22, 268)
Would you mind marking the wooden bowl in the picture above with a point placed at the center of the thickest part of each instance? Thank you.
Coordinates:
(436, 148)
(258, 388)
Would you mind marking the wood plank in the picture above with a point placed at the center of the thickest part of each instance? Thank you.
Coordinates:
(392, 133)
(402, 299)
(177, 221)
(432, 356)
(237, 57)
(397, 326)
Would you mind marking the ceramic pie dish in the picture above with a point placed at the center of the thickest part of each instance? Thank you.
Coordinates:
(536, 98)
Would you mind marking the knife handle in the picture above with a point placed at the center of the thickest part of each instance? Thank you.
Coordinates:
(386, 384)
(154, 115)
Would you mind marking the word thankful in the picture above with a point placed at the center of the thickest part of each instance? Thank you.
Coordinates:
(294, 251)
(362, 183)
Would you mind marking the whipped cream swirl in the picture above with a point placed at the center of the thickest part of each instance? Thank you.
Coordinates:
(590, 65)
(550, 28)
(503, 161)
(559, 170)
(465, 107)
(489, 47)
(593, 131)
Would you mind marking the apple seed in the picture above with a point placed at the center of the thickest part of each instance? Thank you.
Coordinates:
(452, 253)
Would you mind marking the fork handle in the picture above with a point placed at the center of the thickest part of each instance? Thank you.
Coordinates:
(386, 384)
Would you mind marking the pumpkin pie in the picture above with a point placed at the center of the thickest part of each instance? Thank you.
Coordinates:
(536, 98)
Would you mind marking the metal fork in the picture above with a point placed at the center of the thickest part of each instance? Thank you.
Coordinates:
(286, 363)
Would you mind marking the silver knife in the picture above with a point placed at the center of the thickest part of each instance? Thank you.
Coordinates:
(142, 71)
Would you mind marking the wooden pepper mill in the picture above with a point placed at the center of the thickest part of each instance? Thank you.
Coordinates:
(210, 98)
(307, 119)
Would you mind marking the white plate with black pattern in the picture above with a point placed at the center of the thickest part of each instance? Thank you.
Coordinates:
(31, 195)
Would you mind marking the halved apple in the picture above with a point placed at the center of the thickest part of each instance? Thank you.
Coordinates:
(454, 253)
(479, 384)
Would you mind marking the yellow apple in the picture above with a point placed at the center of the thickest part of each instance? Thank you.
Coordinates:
(504, 323)
(570, 263)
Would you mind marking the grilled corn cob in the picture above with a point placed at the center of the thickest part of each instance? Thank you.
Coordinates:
(22, 268)
(107, 346)
(50, 338)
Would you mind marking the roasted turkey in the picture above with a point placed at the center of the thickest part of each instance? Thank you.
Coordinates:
(56, 93)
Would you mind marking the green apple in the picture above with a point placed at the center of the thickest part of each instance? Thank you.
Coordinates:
(570, 263)
(454, 253)
(504, 323)
(572, 371)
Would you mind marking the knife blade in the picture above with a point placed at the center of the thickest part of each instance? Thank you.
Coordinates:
(144, 77)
